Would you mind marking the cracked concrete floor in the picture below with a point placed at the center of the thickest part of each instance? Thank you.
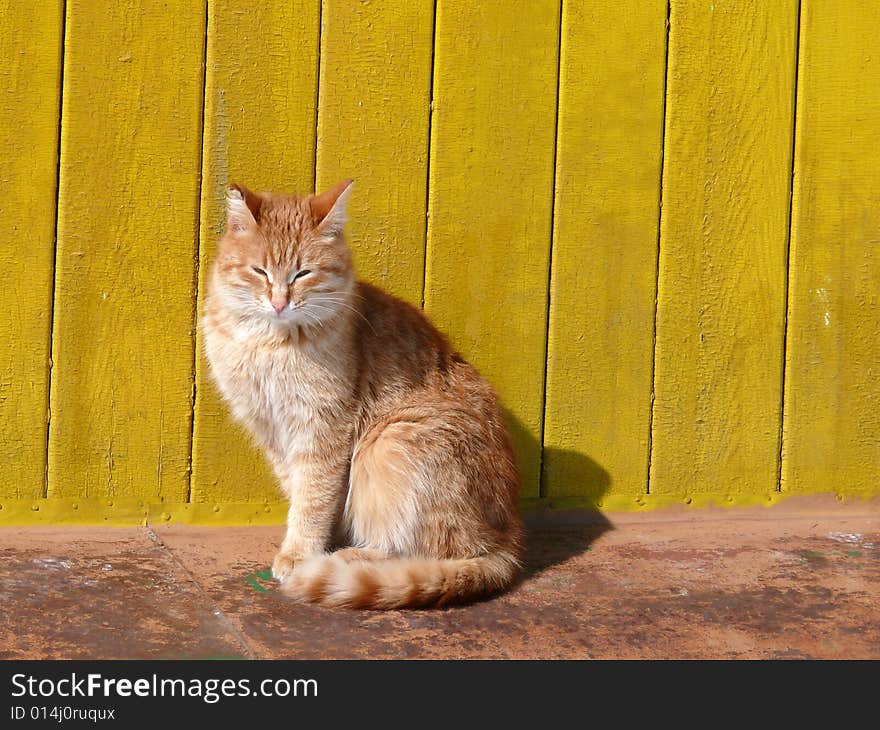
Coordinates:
(798, 580)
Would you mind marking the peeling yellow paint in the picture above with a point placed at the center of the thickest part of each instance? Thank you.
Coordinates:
(631, 314)
(129, 179)
(723, 247)
(490, 199)
(600, 343)
(126, 511)
(30, 75)
(832, 400)
(373, 127)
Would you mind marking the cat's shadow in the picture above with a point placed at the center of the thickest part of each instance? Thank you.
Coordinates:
(554, 536)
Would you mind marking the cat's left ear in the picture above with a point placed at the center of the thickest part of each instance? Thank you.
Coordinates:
(329, 210)
(242, 208)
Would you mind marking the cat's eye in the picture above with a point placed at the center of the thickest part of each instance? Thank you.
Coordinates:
(261, 272)
(300, 274)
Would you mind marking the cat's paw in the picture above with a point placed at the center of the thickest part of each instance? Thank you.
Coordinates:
(283, 565)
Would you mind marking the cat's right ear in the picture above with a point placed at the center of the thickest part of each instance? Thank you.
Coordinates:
(329, 209)
(242, 209)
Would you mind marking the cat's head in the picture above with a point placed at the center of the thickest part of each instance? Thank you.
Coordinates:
(283, 260)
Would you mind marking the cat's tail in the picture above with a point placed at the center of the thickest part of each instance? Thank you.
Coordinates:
(399, 582)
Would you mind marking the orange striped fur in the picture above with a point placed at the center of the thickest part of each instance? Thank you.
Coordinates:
(382, 438)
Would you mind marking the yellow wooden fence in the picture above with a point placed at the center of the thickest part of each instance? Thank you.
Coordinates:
(654, 226)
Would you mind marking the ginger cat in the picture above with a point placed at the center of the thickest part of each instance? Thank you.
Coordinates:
(383, 439)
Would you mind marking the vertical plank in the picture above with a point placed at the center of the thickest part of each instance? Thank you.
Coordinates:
(832, 406)
(600, 339)
(261, 86)
(123, 334)
(30, 91)
(723, 241)
(373, 126)
(490, 199)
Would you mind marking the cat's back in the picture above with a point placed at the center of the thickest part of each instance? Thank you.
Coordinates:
(402, 352)
(396, 337)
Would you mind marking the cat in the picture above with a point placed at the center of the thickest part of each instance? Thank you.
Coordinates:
(387, 444)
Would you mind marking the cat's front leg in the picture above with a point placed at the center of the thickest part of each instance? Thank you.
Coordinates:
(316, 489)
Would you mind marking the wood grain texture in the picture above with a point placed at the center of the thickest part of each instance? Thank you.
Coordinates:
(123, 335)
(373, 126)
(260, 97)
(832, 405)
(723, 243)
(30, 94)
(490, 199)
(600, 340)
(146, 154)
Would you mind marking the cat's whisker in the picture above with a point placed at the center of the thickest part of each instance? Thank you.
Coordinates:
(313, 319)
(318, 306)
(353, 309)
(335, 292)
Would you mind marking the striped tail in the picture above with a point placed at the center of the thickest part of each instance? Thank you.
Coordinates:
(399, 582)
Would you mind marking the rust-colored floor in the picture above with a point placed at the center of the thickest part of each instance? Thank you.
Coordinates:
(801, 579)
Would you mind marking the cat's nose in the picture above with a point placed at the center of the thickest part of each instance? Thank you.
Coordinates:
(279, 305)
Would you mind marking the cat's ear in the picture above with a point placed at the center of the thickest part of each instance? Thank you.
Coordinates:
(242, 208)
(329, 209)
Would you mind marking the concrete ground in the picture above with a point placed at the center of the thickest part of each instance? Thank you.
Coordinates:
(798, 580)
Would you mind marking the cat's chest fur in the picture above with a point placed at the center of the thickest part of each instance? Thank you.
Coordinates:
(286, 394)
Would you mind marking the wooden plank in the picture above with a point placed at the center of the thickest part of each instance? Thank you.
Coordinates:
(604, 270)
(124, 305)
(832, 404)
(30, 92)
(261, 87)
(490, 199)
(723, 241)
(373, 126)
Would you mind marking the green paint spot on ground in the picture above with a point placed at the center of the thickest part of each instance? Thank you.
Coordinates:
(262, 575)
(813, 554)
